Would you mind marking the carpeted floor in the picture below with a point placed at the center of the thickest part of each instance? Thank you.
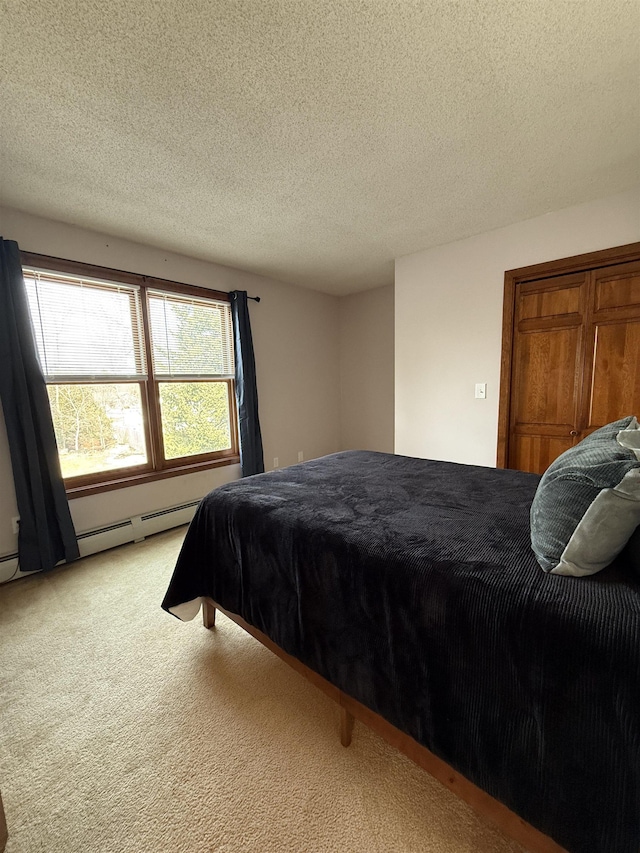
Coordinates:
(124, 730)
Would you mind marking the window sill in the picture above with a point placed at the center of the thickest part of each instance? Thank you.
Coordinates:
(147, 477)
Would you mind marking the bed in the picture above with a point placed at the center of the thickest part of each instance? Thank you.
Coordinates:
(408, 588)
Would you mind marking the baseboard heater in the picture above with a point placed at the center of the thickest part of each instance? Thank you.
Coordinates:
(133, 529)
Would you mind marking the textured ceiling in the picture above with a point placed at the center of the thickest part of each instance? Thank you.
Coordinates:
(315, 140)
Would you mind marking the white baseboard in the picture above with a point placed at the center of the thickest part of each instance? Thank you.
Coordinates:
(133, 529)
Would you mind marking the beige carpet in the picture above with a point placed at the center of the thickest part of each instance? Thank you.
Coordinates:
(125, 730)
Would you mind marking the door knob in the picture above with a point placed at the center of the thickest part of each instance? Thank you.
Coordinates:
(573, 432)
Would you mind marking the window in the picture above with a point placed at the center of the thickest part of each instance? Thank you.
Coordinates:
(139, 373)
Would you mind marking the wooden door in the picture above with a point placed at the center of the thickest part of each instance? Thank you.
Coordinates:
(548, 344)
(571, 353)
(612, 374)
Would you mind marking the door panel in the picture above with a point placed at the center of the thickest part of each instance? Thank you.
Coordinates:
(615, 385)
(534, 453)
(546, 378)
(535, 303)
(617, 288)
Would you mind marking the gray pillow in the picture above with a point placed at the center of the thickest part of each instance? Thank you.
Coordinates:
(587, 504)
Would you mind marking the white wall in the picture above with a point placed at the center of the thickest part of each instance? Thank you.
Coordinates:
(448, 323)
(366, 370)
(296, 340)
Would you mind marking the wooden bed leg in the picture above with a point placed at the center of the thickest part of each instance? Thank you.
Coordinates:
(208, 614)
(346, 726)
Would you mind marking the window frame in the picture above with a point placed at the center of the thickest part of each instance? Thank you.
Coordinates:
(156, 467)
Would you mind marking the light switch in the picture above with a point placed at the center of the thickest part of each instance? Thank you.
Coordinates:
(481, 390)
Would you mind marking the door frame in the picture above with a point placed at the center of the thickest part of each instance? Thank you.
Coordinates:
(512, 278)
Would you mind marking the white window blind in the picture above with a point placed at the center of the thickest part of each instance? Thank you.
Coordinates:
(85, 329)
(191, 338)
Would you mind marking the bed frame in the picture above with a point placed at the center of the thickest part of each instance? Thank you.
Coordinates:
(351, 710)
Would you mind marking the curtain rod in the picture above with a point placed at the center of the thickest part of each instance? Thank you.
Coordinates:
(254, 298)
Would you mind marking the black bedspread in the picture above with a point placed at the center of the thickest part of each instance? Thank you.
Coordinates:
(411, 586)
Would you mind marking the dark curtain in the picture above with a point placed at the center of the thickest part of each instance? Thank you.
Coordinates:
(46, 531)
(251, 455)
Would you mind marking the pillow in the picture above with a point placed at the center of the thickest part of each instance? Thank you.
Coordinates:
(630, 437)
(587, 504)
(630, 556)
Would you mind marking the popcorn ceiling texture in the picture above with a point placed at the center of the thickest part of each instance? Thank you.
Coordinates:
(315, 140)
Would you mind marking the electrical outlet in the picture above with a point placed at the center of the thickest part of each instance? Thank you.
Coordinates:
(300, 456)
(15, 524)
(276, 461)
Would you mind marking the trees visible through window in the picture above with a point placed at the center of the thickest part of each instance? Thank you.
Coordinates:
(139, 372)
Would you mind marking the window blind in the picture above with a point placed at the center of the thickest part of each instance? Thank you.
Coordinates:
(191, 338)
(85, 329)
